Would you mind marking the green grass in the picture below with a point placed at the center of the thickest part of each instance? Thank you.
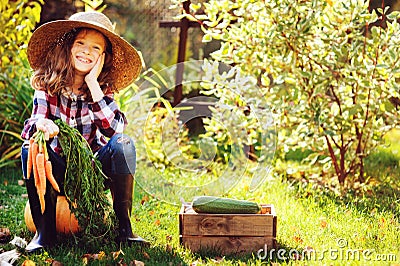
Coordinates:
(308, 218)
(384, 163)
(336, 228)
(12, 201)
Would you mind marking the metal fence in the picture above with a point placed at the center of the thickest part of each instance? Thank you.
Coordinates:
(138, 22)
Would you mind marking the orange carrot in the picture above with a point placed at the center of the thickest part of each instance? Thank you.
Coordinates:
(35, 151)
(42, 177)
(50, 177)
(29, 161)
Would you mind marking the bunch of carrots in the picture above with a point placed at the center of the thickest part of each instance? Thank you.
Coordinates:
(38, 161)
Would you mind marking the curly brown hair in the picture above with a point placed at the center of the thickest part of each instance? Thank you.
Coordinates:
(57, 71)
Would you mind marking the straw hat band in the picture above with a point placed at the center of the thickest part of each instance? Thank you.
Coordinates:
(95, 19)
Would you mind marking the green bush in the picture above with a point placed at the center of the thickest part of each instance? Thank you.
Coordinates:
(325, 72)
(18, 19)
(153, 122)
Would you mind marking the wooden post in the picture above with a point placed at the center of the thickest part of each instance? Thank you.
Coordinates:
(184, 24)
(181, 55)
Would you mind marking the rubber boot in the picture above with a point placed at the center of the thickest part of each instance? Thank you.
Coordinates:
(46, 234)
(121, 187)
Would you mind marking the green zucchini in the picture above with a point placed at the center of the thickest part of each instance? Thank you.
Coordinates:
(211, 204)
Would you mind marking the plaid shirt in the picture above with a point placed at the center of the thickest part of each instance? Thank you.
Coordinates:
(94, 120)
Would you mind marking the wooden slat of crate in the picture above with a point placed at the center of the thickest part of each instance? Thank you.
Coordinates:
(192, 223)
(228, 233)
(228, 245)
(228, 224)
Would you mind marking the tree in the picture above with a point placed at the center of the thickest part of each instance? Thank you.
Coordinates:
(326, 72)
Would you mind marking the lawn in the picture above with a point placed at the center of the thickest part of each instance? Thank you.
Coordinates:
(315, 226)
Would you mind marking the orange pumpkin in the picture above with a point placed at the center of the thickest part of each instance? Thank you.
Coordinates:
(66, 221)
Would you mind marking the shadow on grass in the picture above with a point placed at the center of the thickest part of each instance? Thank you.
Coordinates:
(381, 192)
(69, 250)
(277, 254)
(113, 254)
(372, 198)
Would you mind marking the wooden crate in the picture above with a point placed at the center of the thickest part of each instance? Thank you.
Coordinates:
(227, 233)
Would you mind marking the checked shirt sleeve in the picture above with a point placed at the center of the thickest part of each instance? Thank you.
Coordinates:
(107, 116)
(39, 110)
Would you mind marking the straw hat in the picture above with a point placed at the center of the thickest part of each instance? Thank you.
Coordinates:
(126, 65)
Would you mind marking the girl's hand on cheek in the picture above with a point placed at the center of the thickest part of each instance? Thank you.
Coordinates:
(96, 70)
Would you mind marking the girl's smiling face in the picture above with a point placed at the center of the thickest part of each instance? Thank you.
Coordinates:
(88, 46)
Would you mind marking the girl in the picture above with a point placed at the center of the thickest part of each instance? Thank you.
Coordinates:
(78, 65)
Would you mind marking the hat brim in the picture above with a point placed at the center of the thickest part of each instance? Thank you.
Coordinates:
(126, 65)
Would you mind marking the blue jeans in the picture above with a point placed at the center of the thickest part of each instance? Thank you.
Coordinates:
(118, 157)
